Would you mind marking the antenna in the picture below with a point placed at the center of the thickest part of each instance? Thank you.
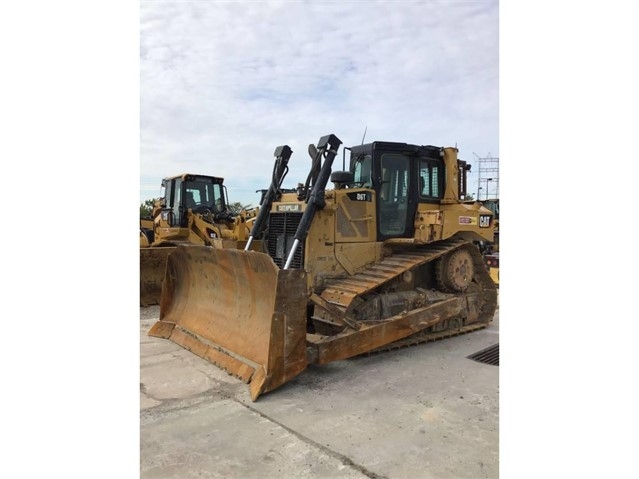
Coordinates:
(365, 129)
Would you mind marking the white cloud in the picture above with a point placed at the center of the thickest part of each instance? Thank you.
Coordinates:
(223, 84)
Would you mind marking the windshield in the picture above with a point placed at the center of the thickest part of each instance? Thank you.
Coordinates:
(200, 193)
(362, 171)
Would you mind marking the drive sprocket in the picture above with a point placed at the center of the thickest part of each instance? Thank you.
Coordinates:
(455, 271)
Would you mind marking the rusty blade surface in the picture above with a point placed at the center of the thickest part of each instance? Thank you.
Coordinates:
(237, 310)
(152, 268)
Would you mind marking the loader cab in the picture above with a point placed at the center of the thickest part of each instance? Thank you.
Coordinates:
(402, 176)
(196, 192)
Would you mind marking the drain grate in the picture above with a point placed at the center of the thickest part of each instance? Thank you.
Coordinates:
(489, 355)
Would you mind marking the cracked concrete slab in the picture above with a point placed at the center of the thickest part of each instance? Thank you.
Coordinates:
(221, 439)
(425, 411)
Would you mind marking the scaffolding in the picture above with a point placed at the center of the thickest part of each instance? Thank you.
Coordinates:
(488, 177)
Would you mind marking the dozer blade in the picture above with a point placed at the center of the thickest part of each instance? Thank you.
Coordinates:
(152, 266)
(238, 310)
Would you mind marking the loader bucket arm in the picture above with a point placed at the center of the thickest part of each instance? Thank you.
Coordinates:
(237, 310)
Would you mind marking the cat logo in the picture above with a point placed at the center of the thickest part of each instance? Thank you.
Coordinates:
(484, 221)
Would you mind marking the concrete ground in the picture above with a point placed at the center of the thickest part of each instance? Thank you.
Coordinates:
(424, 411)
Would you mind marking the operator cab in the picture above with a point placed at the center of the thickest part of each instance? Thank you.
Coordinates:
(402, 176)
(197, 192)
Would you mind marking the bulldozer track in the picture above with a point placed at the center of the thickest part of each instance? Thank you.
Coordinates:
(341, 293)
(424, 337)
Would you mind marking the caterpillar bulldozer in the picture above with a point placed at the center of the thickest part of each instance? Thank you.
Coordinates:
(383, 259)
(194, 210)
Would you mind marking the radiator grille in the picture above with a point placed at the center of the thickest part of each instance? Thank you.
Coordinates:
(281, 230)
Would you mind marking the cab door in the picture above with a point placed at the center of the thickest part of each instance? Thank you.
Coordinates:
(396, 205)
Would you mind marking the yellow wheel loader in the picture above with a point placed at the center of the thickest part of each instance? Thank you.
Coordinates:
(193, 211)
(385, 258)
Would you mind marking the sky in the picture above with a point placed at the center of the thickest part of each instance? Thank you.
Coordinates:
(222, 84)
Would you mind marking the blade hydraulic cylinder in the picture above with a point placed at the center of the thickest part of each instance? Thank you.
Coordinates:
(282, 155)
(326, 147)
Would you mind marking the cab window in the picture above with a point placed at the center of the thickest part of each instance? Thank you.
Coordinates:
(362, 167)
(430, 179)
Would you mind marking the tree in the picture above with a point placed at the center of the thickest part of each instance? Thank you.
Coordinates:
(237, 207)
(146, 208)
(469, 197)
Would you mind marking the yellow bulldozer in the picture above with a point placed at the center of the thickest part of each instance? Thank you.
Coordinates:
(385, 258)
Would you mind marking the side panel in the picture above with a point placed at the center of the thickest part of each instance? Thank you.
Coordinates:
(472, 220)
(341, 239)
(320, 247)
(355, 216)
(429, 223)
